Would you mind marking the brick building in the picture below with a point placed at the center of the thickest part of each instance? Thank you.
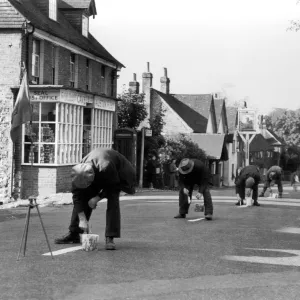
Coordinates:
(73, 83)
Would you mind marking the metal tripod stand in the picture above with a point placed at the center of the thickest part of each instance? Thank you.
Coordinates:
(31, 205)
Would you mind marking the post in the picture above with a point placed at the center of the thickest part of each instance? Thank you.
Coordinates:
(142, 158)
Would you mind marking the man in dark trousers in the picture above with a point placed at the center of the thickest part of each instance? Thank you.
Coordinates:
(249, 179)
(103, 173)
(273, 177)
(191, 172)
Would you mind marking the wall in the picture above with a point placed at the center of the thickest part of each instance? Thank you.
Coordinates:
(10, 58)
(45, 181)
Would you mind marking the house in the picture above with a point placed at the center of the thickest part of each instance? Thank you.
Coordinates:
(72, 83)
(191, 114)
(264, 151)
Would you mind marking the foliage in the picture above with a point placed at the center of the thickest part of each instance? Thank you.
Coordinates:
(291, 158)
(294, 24)
(157, 123)
(131, 110)
(180, 147)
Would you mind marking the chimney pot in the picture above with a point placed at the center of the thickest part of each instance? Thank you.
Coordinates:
(134, 76)
(148, 67)
(166, 72)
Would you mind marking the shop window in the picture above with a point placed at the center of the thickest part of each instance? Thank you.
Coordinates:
(42, 132)
(102, 128)
(35, 68)
(87, 131)
(233, 146)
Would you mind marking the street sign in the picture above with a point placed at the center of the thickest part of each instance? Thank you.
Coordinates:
(148, 132)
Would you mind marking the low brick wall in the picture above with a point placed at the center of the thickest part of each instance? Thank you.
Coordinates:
(44, 180)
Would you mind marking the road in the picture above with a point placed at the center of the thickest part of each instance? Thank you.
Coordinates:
(244, 253)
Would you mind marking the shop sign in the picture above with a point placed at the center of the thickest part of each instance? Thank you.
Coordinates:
(105, 104)
(44, 95)
(76, 98)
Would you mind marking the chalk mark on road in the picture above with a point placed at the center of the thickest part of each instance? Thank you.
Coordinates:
(64, 251)
(283, 261)
(196, 220)
(295, 230)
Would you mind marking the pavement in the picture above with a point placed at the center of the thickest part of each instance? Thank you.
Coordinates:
(244, 253)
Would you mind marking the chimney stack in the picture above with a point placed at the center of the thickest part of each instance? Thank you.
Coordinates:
(134, 86)
(165, 83)
(147, 85)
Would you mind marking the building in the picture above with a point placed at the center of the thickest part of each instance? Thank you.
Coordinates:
(73, 83)
(200, 116)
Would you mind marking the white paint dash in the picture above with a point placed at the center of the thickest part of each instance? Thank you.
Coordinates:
(196, 220)
(64, 251)
(290, 230)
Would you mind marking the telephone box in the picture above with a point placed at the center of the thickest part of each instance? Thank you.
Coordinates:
(125, 142)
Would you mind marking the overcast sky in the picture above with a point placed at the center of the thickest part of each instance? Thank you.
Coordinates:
(241, 48)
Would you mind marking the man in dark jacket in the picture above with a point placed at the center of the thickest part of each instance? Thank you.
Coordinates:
(273, 177)
(249, 179)
(191, 172)
(103, 173)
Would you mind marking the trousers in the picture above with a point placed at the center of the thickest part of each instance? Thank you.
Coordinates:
(113, 215)
(184, 204)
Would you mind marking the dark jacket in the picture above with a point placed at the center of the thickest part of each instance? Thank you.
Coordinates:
(113, 172)
(277, 175)
(248, 171)
(200, 175)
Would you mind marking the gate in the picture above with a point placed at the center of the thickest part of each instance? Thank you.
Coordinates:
(125, 142)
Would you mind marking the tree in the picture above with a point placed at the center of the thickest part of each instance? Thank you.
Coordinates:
(294, 24)
(131, 110)
(180, 147)
(288, 127)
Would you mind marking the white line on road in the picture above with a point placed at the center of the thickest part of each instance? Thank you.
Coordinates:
(290, 230)
(196, 220)
(63, 251)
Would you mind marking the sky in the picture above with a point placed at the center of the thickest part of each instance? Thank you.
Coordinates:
(239, 48)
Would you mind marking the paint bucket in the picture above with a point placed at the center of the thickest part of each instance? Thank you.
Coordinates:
(248, 201)
(89, 241)
(199, 208)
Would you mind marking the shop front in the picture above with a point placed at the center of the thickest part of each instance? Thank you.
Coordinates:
(66, 125)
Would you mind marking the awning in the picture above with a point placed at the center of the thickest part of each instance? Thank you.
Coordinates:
(213, 145)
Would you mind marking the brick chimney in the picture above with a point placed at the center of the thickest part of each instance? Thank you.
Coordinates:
(134, 86)
(165, 83)
(147, 85)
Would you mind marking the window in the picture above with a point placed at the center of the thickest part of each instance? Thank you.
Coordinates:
(87, 74)
(72, 69)
(87, 131)
(85, 26)
(102, 128)
(42, 132)
(233, 146)
(53, 9)
(69, 141)
(103, 79)
(35, 68)
(53, 64)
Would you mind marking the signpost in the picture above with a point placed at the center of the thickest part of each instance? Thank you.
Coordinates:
(247, 128)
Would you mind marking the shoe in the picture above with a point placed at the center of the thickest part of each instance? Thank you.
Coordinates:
(179, 216)
(256, 204)
(69, 238)
(110, 245)
(208, 217)
(239, 203)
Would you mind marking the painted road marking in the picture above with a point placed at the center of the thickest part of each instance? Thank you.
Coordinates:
(290, 230)
(196, 220)
(64, 251)
(293, 260)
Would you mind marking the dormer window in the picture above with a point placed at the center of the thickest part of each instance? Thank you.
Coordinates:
(53, 9)
(85, 26)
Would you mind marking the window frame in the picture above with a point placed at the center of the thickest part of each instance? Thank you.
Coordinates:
(35, 61)
(85, 26)
(53, 10)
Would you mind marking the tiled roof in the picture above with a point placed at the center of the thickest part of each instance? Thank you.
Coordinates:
(279, 139)
(212, 144)
(61, 29)
(83, 4)
(259, 143)
(200, 103)
(195, 120)
(231, 118)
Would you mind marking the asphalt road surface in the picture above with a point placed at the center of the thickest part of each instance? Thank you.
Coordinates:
(244, 253)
